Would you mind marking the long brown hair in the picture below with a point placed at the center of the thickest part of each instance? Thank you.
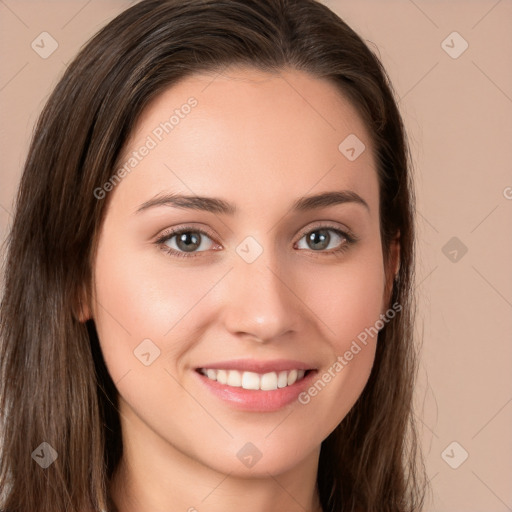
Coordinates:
(54, 385)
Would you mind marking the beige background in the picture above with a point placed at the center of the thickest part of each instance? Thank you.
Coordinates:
(458, 112)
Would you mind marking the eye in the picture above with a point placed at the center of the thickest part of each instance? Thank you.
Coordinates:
(184, 242)
(324, 237)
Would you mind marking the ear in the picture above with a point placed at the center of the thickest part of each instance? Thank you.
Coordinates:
(392, 269)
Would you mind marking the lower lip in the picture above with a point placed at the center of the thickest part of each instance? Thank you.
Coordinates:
(257, 400)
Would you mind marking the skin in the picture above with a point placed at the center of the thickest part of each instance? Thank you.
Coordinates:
(260, 141)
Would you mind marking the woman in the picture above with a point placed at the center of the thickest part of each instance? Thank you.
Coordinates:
(209, 287)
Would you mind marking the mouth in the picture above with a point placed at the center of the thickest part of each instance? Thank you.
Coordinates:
(255, 391)
(247, 380)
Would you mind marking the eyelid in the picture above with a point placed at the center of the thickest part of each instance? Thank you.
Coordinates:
(344, 230)
(168, 233)
(164, 235)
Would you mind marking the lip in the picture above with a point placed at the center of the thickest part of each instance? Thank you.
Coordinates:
(256, 400)
(253, 365)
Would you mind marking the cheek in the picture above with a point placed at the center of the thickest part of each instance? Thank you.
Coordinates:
(140, 296)
(347, 301)
(348, 298)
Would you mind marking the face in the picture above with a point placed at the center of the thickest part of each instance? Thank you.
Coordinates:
(260, 281)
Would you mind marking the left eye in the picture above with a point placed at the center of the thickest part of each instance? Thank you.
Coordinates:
(319, 239)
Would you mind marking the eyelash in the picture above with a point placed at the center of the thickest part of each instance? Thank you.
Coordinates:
(349, 237)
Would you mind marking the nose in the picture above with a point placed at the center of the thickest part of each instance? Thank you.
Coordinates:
(260, 301)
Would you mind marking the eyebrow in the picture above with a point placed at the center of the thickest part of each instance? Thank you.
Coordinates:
(217, 205)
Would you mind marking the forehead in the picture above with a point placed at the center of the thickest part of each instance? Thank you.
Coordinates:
(253, 134)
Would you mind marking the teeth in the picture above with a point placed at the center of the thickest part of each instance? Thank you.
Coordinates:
(251, 380)
(211, 374)
(268, 381)
(292, 377)
(222, 376)
(282, 380)
(234, 379)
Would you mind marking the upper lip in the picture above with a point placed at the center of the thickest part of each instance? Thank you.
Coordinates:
(253, 365)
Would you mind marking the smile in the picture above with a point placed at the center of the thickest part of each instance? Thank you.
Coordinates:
(255, 387)
(254, 381)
